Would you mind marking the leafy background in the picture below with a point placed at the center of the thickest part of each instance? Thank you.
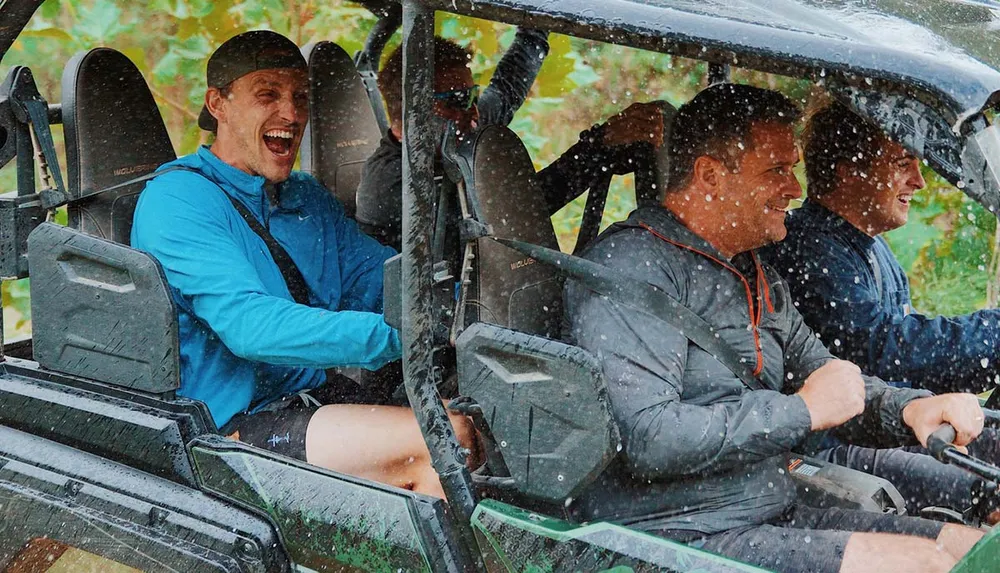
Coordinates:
(947, 248)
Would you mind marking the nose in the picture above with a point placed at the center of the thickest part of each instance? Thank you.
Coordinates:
(792, 190)
(915, 178)
(289, 111)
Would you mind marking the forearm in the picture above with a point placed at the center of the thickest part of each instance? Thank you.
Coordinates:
(273, 330)
(941, 354)
(513, 77)
(715, 438)
(573, 172)
(881, 425)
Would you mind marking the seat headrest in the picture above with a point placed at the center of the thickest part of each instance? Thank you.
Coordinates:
(114, 133)
(113, 128)
(512, 290)
(342, 131)
(506, 193)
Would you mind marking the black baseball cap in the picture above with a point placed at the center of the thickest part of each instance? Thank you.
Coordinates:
(246, 53)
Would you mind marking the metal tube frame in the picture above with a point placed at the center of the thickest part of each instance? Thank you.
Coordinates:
(718, 74)
(419, 150)
(368, 58)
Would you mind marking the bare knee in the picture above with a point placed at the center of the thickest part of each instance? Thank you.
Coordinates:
(958, 539)
(874, 552)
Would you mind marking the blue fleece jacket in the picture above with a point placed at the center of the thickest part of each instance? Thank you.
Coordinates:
(244, 341)
(851, 290)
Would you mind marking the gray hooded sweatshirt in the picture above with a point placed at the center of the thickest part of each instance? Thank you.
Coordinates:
(702, 452)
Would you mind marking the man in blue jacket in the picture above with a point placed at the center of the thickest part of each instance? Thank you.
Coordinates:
(851, 289)
(248, 348)
(849, 285)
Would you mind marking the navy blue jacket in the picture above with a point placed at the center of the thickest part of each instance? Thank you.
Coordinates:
(851, 290)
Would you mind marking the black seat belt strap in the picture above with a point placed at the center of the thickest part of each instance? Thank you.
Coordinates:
(646, 297)
(289, 271)
(293, 277)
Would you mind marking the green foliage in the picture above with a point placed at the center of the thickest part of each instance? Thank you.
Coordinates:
(16, 308)
(945, 249)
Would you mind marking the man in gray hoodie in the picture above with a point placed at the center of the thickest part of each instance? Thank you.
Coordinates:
(704, 456)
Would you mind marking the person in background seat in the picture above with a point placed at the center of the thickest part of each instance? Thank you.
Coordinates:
(853, 292)
(457, 99)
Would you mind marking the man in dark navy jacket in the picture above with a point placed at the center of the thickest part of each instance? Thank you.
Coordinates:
(848, 284)
(852, 291)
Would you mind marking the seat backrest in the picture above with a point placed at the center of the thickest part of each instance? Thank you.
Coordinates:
(508, 288)
(114, 133)
(342, 131)
(545, 402)
(102, 311)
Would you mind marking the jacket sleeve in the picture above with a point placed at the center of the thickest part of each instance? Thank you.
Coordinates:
(644, 362)
(187, 225)
(513, 77)
(361, 259)
(586, 162)
(942, 354)
(881, 424)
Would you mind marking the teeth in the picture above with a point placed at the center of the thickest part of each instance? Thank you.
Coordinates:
(282, 133)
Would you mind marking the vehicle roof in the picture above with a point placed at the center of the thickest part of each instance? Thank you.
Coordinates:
(944, 51)
(947, 51)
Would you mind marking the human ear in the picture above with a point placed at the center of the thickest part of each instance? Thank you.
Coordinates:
(708, 173)
(845, 171)
(215, 103)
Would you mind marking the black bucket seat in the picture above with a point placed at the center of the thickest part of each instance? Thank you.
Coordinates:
(544, 402)
(342, 131)
(114, 133)
(100, 309)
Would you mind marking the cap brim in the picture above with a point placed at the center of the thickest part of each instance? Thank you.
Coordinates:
(206, 120)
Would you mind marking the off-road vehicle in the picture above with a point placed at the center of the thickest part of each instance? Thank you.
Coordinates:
(104, 467)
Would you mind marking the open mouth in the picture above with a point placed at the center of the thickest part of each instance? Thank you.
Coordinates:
(279, 141)
(904, 199)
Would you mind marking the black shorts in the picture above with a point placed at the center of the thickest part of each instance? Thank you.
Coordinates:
(810, 540)
(281, 428)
